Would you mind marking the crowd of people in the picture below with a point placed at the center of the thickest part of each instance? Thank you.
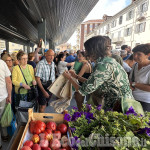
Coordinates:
(104, 76)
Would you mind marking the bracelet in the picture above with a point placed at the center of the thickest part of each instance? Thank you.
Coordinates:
(21, 84)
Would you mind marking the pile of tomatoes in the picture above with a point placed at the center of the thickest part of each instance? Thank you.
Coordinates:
(47, 136)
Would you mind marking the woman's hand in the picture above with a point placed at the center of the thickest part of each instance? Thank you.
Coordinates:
(67, 75)
(34, 82)
(27, 87)
(73, 74)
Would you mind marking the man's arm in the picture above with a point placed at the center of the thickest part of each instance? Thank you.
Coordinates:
(41, 87)
(9, 89)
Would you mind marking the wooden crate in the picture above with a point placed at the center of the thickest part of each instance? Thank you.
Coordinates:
(45, 117)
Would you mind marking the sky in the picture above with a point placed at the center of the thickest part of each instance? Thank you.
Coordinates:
(109, 7)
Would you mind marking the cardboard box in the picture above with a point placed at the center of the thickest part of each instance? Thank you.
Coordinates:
(45, 117)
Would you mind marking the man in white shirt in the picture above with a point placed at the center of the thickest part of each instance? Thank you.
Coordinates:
(5, 93)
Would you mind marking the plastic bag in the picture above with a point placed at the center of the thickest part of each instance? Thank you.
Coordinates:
(7, 116)
(12, 128)
(126, 103)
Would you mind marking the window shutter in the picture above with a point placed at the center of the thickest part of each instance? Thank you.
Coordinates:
(125, 32)
(143, 27)
(136, 28)
(127, 16)
(146, 6)
(139, 9)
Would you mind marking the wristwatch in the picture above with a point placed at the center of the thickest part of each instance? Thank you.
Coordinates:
(133, 84)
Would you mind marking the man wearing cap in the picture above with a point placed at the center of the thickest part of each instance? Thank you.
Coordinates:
(127, 49)
(70, 58)
(45, 75)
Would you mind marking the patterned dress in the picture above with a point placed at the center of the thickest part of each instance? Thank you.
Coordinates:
(108, 79)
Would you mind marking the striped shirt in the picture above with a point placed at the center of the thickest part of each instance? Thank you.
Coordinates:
(43, 70)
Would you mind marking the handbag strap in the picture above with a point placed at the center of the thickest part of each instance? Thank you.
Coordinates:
(50, 73)
(23, 75)
(132, 79)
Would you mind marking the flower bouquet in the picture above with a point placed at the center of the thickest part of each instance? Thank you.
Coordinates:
(94, 129)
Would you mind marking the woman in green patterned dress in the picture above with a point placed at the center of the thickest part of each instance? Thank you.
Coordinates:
(108, 79)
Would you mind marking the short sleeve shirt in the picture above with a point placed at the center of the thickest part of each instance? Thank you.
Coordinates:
(108, 79)
(126, 67)
(4, 72)
(141, 76)
(32, 63)
(62, 66)
(43, 70)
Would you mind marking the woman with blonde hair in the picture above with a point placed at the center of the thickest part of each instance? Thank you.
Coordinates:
(21, 74)
(8, 60)
(14, 58)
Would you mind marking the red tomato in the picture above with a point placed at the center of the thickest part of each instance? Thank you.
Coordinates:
(62, 128)
(42, 136)
(51, 125)
(26, 148)
(31, 126)
(48, 136)
(44, 144)
(35, 138)
(41, 125)
(64, 141)
(49, 131)
(55, 144)
(28, 143)
(47, 148)
(36, 147)
(36, 127)
(57, 135)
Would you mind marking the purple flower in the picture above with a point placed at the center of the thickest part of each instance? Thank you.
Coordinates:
(74, 141)
(75, 108)
(89, 121)
(144, 130)
(72, 129)
(89, 107)
(88, 115)
(131, 111)
(67, 117)
(75, 116)
(99, 107)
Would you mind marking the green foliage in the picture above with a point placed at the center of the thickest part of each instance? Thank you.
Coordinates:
(112, 124)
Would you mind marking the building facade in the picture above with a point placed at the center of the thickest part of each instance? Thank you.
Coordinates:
(84, 29)
(130, 26)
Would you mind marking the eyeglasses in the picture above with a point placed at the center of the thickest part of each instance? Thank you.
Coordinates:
(24, 58)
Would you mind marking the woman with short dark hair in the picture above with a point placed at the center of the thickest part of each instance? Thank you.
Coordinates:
(31, 57)
(61, 64)
(108, 79)
(140, 75)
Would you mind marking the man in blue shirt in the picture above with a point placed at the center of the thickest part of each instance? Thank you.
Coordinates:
(126, 48)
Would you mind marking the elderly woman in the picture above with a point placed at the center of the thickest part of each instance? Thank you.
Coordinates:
(140, 75)
(108, 78)
(19, 81)
(8, 60)
(14, 58)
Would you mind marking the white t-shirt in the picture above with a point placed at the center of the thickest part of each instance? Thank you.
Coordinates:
(141, 76)
(4, 72)
(126, 67)
(62, 66)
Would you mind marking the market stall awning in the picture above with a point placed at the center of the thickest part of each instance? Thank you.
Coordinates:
(19, 18)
